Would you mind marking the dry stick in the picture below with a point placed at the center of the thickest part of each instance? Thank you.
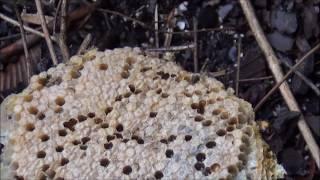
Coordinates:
(17, 47)
(170, 31)
(204, 65)
(29, 29)
(238, 65)
(46, 32)
(277, 73)
(304, 78)
(56, 16)
(195, 42)
(172, 48)
(24, 42)
(218, 73)
(292, 69)
(13, 36)
(255, 79)
(85, 43)
(33, 18)
(63, 32)
(199, 30)
(165, 32)
(156, 27)
(125, 16)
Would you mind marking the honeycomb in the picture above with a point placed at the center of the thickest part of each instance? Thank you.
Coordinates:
(120, 114)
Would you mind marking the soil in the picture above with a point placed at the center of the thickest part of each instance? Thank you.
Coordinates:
(291, 26)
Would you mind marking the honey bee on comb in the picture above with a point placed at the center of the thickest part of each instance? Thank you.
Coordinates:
(119, 114)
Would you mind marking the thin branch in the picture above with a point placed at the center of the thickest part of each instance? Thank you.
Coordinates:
(275, 68)
(24, 42)
(56, 16)
(125, 16)
(218, 73)
(85, 43)
(204, 65)
(17, 47)
(306, 80)
(168, 36)
(27, 28)
(172, 48)
(46, 32)
(225, 29)
(195, 42)
(281, 81)
(169, 31)
(63, 32)
(256, 79)
(238, 65)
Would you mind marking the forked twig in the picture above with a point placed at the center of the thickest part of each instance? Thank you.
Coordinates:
(292, 69)
(255, 79)
(27, 28)
(275, 68)
(306, 80)
(56, 16)
(46, 32)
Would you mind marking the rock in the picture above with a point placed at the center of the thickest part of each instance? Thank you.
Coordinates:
(280, 42)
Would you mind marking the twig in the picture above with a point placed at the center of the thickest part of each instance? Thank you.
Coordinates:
(303, 78)
(225, 29)
(255, 79)
(168, 36)
(56, 16)
(172, 48)
(24, 42)
(125, 16)
(195, 42)
(277, 73)
(46, 32)
(156, 27)
(282, 81)
(238, 65)
(85, 43)
(84, 21)
(27, 28)
(63, 32)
